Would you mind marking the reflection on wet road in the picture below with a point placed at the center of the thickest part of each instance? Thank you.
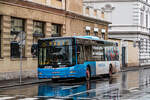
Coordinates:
(131, 85)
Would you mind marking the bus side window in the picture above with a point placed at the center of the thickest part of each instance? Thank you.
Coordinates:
(73, 55)
(80, 54)
(88, 53)
(78, 49)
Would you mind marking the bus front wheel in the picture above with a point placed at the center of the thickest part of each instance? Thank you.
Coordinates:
(54, 80)
(88, 74)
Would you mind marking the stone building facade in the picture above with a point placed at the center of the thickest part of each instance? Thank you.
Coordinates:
(36, 21)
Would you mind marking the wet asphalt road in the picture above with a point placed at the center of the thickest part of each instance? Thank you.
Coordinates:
(131, 85)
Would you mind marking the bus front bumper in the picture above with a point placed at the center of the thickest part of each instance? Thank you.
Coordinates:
(69, 72)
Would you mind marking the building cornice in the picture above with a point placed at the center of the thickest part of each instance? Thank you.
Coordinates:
(103, 1)
(144, 2)
(127, 32)
(47, 9)
(100, 1)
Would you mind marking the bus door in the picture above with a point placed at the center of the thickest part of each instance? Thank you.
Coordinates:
(80, 54)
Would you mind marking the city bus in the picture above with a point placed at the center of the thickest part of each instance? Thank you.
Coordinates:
(76, 57)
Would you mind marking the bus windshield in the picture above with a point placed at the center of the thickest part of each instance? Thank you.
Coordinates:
(56, 52)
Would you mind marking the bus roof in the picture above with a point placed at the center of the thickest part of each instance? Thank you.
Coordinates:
(81, 37)
(88, 37)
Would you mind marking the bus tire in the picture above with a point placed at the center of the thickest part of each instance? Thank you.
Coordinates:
(88, 74)
(110, 70)
(54, 80)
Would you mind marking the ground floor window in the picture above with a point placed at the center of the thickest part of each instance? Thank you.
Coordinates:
(38, 29)
(17, 28)
(38, 32)
(56, 30)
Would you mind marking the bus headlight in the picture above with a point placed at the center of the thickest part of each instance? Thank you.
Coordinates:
(72, 71)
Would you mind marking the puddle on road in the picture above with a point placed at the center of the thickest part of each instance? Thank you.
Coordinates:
(125, 85)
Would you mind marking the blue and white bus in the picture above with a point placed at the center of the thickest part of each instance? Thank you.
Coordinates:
(76, 57)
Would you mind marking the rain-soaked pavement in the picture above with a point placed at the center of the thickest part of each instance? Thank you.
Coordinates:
(131, 85)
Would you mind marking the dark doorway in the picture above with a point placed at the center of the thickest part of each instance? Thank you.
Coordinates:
(123, 56)
(0, 36)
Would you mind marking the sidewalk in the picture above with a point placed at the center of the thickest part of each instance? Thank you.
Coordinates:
(132, 68)
(11, 83)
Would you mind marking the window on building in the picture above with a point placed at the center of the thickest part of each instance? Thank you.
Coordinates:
(87, 11)
(102, 15)
(38, 32)
(95, 12)
(95, 33)
(103, 31)
(0, 36)
(38, 29)
(56, 30)
(87, 32)
(103, 36)
(141, 19)
(146, 20)
(17, 27)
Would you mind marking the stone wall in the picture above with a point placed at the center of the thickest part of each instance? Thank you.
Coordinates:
(133, 54)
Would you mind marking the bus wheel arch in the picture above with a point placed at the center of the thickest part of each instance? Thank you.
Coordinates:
(88, 73)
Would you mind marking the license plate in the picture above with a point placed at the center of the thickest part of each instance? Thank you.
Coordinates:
(56, 76)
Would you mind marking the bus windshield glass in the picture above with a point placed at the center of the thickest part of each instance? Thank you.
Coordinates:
(56, 52)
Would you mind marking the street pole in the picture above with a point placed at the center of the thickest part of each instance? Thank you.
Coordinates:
(20, 64)
(21, 46)
(21, 57)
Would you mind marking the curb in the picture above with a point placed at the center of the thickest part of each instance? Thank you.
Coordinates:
(131, 68)
(25, 83)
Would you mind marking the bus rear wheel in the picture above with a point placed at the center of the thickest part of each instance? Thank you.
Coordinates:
(88, 74)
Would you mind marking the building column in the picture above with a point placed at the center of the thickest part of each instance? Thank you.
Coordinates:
(6, 27)
(29, 37)
(63, 30)
(48, 29)
(106, 35)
